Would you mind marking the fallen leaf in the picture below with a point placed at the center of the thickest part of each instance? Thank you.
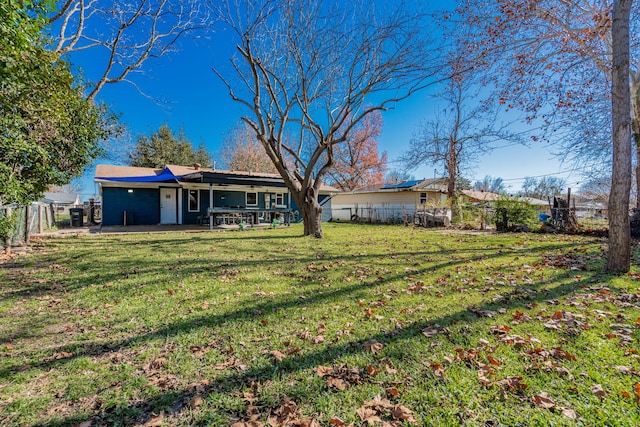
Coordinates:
(373, 346)
(569, 413)
(372, 371)
(278, 355)
(335, 421)
(251, 423)
(321, 371)
(400, 412)
(515, 384)
(337, 383)
(564, 371)
(392, 391)
(543, 400)
(431, 331)
(438, 371)
(636, 390)
(494, 361)
(598, 391)
(378, 403)
(196, 401)
(368, 415)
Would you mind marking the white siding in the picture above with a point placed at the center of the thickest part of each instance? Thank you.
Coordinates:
(378, 206)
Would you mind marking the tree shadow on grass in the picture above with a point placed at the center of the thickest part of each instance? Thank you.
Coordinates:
(247, 310)
(234, 381)
(231, 382)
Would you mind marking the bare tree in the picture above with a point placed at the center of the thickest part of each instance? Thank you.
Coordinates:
(457, 134)
(554, 60)
(125, 34)
(491, 185)
(315, 69)
(619, 257)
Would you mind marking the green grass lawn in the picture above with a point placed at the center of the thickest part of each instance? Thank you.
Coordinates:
(371, 325)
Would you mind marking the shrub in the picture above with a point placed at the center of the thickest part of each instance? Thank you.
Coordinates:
(512, 214)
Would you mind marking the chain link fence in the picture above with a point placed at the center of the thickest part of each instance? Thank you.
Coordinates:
(28, 220)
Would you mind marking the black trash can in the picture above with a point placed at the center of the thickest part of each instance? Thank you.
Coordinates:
(77, 217)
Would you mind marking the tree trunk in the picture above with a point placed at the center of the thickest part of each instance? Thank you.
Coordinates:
(311, 212)
(453, 198)
(636, 140)
(635, 128)
(619, 257)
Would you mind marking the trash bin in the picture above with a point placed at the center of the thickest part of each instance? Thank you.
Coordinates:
(77, 217)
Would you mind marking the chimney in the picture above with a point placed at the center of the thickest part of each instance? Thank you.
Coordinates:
(196, 166)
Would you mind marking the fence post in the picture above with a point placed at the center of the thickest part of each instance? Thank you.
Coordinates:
(27, 223)
(7, 240)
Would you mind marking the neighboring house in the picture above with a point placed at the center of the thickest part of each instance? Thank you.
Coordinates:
(392, 202)
(194, 195)
(487, 199)
(61, 202)
(541, 206)
(479, 197)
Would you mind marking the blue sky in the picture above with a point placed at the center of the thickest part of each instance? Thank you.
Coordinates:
(186, 93)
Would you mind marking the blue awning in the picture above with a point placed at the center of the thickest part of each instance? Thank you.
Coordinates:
(164, 176)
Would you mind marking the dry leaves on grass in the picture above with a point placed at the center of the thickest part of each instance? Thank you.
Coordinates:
(340, 377)
(543, 400)
(288, 414)
(372, 411)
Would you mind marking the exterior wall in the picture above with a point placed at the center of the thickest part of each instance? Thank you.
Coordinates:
(142, 206)
(380, 206)
(192, 217)
(325, 201)
(231, 199)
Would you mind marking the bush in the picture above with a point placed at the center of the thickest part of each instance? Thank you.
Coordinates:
(7, 226)
(512, 215)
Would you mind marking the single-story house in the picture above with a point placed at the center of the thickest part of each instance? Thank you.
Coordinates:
(479, 197)
(196, 195)
(486, 198)
(399, 202)
(61, 201)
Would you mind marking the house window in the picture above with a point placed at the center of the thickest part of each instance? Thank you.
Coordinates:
(280, 199)
(252, 199)
(423, 198)
(194, 201)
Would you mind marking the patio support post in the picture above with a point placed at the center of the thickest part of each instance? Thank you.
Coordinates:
(210, 206)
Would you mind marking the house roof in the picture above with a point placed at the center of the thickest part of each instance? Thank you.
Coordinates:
(191, 174)
(114, 171)
(533, 201)
(481, 196)
(61, 198)
(429, 184)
